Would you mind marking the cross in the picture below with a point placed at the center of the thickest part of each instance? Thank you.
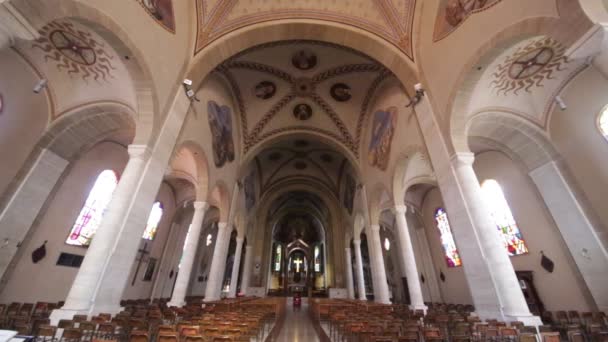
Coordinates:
(297, 262)
(142, 254)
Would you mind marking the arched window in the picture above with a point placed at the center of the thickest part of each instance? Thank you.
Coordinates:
(387, 244)
(153, 219)
(447, 239)
(91, 213)
(603, 122)
(501, 213)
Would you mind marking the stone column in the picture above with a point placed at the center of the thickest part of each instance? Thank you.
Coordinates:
(583, 240)
(380, 283)
(406, 252)
(189, 253)
(14, 26)
(503, 276)
(490, 275)
(85, 286)
(349, 274)
(218, 263)
(235, 268)
(23, 206)
(359, 268)
(247, 269)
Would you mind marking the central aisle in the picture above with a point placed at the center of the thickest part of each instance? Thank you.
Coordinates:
(298, 326)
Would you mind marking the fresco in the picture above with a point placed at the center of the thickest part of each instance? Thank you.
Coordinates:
(383, 129)
(220, 124)
(350, 187)
(161, 11)
(249, 188)
(452, 13)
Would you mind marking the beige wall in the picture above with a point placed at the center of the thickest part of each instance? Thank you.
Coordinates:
(46, 281)
(23, 111)
(539, 232)
(575, 134)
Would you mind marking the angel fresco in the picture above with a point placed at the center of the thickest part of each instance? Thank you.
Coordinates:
(383, 129)
(220, 124)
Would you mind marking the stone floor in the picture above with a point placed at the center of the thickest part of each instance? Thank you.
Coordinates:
(298, 326)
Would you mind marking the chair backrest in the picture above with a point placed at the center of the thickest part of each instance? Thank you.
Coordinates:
(527, 337)
(79, 318)
(71, 334)
(138, 336)
(550, 337)
(576, 336)
(46, 330)
(65, 323)
(167, 337)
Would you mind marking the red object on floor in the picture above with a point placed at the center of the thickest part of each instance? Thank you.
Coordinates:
(297, 300)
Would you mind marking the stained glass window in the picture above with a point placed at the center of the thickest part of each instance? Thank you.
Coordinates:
(91, 213)
(277, 260)
(387, 244)
(447, 239)
(209, 240)
(603, 122)
(153, 219)
(501, 213)
(317, 259)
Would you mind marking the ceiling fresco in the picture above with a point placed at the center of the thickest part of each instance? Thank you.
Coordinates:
(390, 19)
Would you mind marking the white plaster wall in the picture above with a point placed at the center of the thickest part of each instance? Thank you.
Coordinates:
(23, 111)
(45, 281)
(539, 232)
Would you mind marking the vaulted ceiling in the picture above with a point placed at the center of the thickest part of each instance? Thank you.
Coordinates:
(302, 86)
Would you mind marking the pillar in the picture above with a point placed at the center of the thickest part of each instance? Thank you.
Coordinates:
(235, 268)
(188, 255)
(247, 266)
(218, 263)
(406, 252)
(583, 240)
(359, 268)
(349, 274)
(489, 272)
(380, 284)
(23, 206)
(82, 296)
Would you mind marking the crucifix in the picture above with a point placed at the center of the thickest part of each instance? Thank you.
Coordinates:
(142, 254)
(297, 262)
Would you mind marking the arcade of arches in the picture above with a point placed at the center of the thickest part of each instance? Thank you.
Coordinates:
(300, 157)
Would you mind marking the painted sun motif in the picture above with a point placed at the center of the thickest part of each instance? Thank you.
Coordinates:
(75, 50)
(529, 66)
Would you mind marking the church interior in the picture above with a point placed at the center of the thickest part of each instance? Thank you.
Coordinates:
(304, 170)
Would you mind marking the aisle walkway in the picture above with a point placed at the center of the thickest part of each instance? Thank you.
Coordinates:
(298, 326)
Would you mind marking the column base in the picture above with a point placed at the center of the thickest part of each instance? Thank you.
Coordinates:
(67, 313)
(422, 307)
(530, 320)
(176, 304)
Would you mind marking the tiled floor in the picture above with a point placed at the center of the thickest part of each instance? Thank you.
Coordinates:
(298, 326)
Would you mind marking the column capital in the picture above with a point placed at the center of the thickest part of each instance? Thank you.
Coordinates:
(374, 227)
(401, 209)
(239, 240)
(139, 151)
(357, 242)
(200, 205)
(462, 159)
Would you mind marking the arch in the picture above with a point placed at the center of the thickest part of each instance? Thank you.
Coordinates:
(304, 29)
(596, 10)
(379, 201)
(413, 167)
(40, 13)
(220, 198)
(515, 136)
(459, 97)
(359, 224)
(189, 162)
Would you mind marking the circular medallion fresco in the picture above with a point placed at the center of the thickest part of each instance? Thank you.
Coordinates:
(265, 90)
(302, 111)
(304, 60)
(340, 92)
(73, 47)
(530, 63)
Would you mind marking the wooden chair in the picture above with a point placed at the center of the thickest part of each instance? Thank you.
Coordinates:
(46, 333)
(508, 334)
(71, 335)
(527, 337)
(88, 329)
(549, 337)
(167, 337)
(383, 339)
(408, 337)
(22, 329)
(194, 338)
(139, 336)
(106, 331)
(576, 336)
(65, 323)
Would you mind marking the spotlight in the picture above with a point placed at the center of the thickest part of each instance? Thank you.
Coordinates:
(40, 86)
(417, 97)
(189, 92)
(560, 102)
